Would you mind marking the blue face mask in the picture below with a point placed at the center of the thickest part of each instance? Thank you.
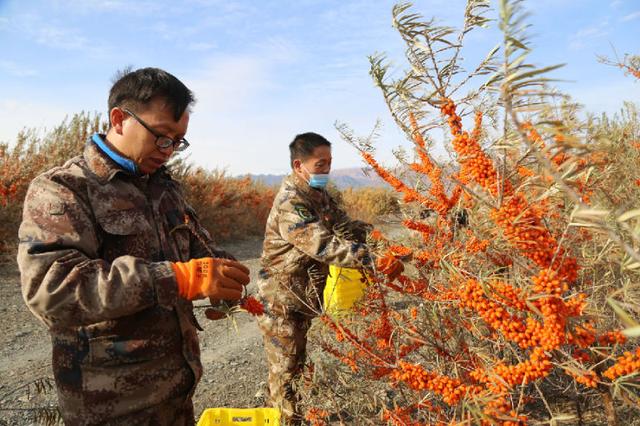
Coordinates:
(318, 181)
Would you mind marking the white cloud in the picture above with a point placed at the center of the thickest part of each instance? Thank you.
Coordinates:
(582, 38)
(279, 49)
(631, 16)
(201, 46)
(123, 7)
(59, 38)
(227, 91)
(16, 70)
(47, 34)
(245, 117)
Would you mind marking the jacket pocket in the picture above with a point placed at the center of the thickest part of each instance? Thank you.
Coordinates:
(126, 232)
(115, 350)
(123, 222)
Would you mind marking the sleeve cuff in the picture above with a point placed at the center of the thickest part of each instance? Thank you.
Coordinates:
(165, 284)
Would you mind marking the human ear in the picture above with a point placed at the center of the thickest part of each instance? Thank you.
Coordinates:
(117, 117)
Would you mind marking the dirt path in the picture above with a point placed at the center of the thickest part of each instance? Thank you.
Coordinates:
(232, 354)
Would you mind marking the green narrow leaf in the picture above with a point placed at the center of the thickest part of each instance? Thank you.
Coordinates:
(632, 332)
(589, 213)
(624, 316)
(516, 43)
(516, 62)
(629, 215)
(538, 71)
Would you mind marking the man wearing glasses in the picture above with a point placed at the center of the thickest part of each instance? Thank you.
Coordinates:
(111, 257)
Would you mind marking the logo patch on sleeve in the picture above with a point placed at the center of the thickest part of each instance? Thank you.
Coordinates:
(304, 213)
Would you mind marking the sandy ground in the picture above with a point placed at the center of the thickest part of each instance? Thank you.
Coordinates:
(232, 354)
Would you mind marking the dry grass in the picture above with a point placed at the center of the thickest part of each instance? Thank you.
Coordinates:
(229, 207)
(369, 204)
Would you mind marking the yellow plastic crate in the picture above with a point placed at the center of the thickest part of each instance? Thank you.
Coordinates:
(343, 289)
(240, 417)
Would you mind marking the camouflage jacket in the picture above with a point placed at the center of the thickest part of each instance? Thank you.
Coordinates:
(306, 232)
(95, 242)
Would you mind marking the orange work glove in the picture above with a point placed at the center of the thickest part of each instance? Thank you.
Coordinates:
(222, 279)
(389, 266)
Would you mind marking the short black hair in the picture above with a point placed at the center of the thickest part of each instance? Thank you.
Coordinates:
(304, 144)
(135, 89)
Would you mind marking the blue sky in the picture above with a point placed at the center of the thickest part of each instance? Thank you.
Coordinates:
(265, 70)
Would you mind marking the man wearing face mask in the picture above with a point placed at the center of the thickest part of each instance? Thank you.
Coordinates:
(306, 232)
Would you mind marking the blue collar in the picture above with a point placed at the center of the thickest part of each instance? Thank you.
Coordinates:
(123, 162)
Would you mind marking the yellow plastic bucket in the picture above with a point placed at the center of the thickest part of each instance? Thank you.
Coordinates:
(240, 417)
(344, 287)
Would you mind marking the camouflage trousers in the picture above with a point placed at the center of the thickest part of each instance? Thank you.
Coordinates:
(176, 412)
(285, 344)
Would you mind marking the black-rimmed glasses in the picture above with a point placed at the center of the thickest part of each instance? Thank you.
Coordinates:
(162, 141)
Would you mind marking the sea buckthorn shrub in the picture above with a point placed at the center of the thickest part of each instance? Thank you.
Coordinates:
(33, 152)
(229, 207)
(519, 301)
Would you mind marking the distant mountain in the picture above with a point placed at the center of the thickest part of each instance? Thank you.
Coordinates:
(343, 178)
(269, 180)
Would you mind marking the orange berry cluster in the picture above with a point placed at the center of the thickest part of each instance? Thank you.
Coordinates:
(476, 166)
(587, 378)
(400, 416)
(548, 282)
(537, 366)
(581, 355)
(381, 327)
(611, 338)
(630, 70)
(474, 245)
(628, 363)
(525, 172)
(409, 286)
(399, 251)
(575, 304)
(552, 334)
(316, 416)
(524, 229)
(417, 378)
(409, 195)
(583, 335)
(425, 229)
(347, 360)
(538, 141)
(500, 408)
(443, 203)
(413, 312)
(376, 235)
(471, 295)
(533, 135)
